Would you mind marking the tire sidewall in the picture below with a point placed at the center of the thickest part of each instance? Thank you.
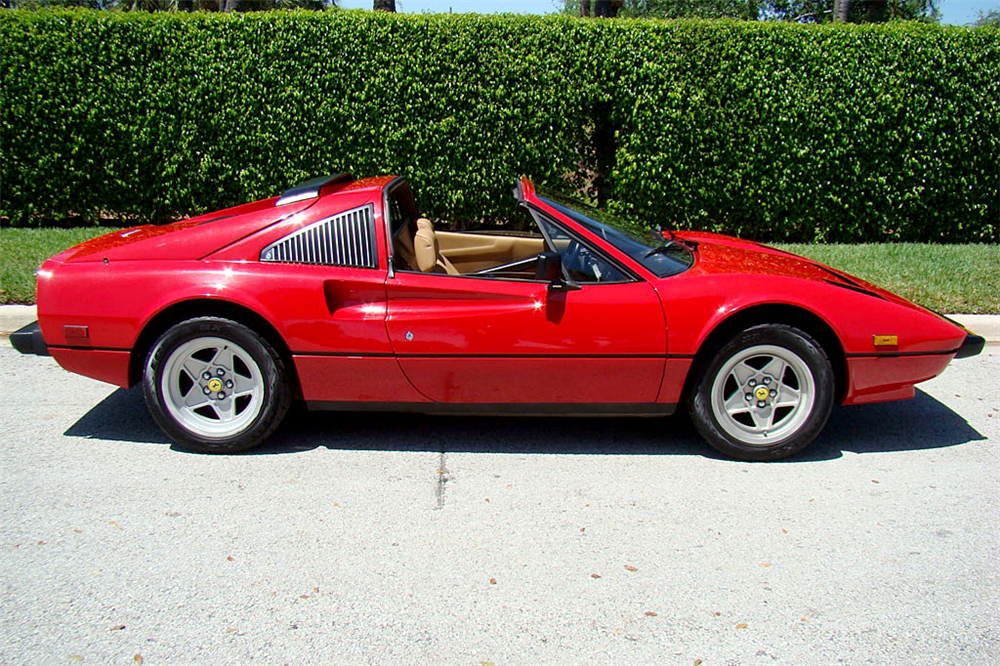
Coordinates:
(794, 340)
(275, 386)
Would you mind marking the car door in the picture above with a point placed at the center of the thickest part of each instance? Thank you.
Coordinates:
(482, 340)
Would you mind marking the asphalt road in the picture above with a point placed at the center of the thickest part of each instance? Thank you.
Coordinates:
(402, 539)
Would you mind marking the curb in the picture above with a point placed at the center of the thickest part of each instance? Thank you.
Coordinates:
(987, 326)
(13, 317)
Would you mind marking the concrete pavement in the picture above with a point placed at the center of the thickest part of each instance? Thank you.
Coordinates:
(406, 539)
(13, 317)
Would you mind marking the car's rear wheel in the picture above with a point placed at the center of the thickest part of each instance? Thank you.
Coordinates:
(215, 385)
(765, 395)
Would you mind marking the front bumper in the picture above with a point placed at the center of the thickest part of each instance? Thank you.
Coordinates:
(28, 340)
(972, 346)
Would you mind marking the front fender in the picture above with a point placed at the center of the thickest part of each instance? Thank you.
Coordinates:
(696, 307)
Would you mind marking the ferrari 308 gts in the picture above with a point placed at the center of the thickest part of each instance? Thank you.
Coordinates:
(341, 294)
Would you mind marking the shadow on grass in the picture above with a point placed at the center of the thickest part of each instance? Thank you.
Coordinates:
(921, 423)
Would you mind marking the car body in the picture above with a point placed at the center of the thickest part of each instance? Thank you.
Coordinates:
(338, 293)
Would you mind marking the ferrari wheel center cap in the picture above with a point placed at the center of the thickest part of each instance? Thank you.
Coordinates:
(761, 393)
(215, 385)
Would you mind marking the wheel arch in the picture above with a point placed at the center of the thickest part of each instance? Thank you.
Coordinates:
(207, 307)
(775, 313)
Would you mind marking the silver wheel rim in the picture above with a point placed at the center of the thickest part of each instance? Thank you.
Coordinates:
(212, 387)
(763, 395)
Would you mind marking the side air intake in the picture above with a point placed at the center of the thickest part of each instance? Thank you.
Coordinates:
(347, 239)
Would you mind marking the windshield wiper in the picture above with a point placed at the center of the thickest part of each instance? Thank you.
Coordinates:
(674, 240)
(661, 249)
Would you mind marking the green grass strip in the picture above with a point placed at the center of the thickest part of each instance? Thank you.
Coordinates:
(961, 279)
(22, 251)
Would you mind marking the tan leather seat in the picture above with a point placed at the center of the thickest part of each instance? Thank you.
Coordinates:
(427, 251)
(403, 250)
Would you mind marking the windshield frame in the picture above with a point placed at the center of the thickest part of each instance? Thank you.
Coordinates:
(635, 242)
(539, 215)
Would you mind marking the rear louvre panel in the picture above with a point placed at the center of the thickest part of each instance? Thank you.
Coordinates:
(347, 239)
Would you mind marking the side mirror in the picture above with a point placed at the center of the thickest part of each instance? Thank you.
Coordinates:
(549, 270)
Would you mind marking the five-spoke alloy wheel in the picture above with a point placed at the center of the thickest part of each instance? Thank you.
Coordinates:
(765, 395)
(215, 385)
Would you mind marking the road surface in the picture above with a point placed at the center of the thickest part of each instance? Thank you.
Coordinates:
(406, 539)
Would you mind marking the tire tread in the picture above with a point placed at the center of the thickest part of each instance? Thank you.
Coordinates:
(272, 366)
(812, 352)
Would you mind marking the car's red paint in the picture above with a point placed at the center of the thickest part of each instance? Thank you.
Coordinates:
(109, 366)
(353, 379)
(189, 239)
(882, 378)
(528, 335)
(362, 334)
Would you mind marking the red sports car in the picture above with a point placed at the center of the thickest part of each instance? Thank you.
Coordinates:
(341, 294)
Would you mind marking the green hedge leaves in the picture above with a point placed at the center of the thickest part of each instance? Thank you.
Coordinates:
(826, 134)
(771, 131)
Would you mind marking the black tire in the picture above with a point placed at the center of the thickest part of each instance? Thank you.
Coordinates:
(740, 405)
(215, 386)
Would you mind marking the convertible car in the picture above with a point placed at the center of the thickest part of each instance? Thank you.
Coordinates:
(339, 293)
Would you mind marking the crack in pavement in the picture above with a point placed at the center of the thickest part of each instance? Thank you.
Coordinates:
(443, 478)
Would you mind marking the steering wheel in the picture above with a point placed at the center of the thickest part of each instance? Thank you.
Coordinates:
(578, 259)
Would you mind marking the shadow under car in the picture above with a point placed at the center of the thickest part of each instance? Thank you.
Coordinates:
(920, 423)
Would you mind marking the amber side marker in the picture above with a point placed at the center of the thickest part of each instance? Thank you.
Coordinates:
(885, 340)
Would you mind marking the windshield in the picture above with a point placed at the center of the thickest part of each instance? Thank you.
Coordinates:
(648, 248)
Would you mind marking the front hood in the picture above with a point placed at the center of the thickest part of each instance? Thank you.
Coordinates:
(718, 254)
(721, 255)
(188, 239)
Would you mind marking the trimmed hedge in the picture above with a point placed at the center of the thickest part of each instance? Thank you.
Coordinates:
(840, 133)
(166, 114)
(772, 131)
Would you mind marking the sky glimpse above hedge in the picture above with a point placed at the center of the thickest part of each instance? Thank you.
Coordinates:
(953, 12)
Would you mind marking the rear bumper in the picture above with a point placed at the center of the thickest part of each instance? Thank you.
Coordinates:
(972, 346)
(28, 340)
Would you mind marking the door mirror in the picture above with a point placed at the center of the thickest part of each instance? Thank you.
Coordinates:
(550, 270)
(549, 267)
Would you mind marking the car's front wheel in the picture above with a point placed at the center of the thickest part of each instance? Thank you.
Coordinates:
(765, 395)
(215, 385)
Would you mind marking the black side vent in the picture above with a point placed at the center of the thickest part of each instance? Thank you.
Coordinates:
(347, 239)
(853, 287)
(840, 276)
(213, 219)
